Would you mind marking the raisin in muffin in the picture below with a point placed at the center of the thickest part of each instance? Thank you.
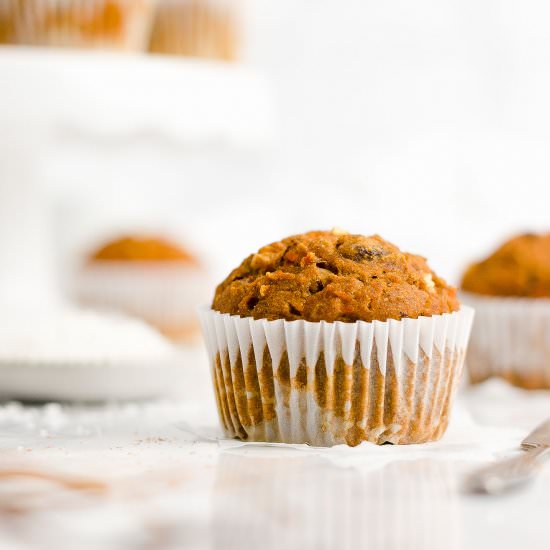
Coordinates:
(148, 277)
(327, 338)
(510, 290)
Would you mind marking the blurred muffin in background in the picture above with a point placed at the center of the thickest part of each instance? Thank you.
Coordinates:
(197, 28)
(6, 23)
(148, 277)
(105, 24)
(510, 290)
(142, 249)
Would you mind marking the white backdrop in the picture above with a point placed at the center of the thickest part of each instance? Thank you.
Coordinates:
(427, 122)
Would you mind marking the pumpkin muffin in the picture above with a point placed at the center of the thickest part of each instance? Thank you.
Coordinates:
(328, 338)
(105, 24)
(196, 28)
(6, 24)
(510, 291)
(146, 276)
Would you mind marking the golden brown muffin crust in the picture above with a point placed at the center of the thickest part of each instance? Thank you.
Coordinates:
(142, 249)
(333, 276)
(520, 267)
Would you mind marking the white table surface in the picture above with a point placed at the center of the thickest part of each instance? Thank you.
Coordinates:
(147, 475)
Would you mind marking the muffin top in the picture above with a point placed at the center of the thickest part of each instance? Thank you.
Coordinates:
(141, 249)
(334, 276)
(520, 267)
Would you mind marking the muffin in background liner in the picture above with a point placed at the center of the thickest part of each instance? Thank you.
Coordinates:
(331, 383)
(104, 24)
(510, 340)
(197, 28)
(166, 296)
(6, 23)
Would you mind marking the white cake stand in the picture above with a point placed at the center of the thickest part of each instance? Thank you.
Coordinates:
(73, 119)
(119, 95)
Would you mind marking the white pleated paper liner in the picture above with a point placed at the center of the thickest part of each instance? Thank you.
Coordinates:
(510, 339)
(165, 296)
(331, 383)
(105, 24)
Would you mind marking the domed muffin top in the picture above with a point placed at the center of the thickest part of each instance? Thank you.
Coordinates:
(334, 276)
(520, 267)
(142, 249)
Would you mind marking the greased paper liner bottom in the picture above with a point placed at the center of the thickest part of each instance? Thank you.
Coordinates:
(331, 383)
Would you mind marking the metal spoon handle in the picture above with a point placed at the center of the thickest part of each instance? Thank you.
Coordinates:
(507, 475)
